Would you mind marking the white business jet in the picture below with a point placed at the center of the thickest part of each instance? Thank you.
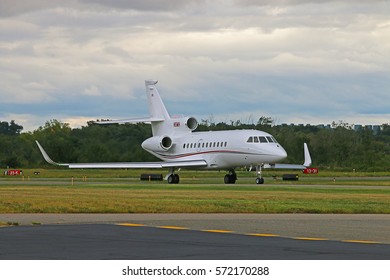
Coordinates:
(178, 146)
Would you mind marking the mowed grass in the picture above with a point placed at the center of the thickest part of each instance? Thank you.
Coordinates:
(120, 191)
(187, 197)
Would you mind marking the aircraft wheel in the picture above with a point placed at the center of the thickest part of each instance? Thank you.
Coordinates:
(173, 179)
(259, 181)
(230, 179)
(176, 178)
(170, 179)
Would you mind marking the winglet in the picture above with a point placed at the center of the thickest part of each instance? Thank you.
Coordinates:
(307, 155)
(46, 156)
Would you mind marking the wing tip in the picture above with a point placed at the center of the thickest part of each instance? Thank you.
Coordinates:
(45, 155)
(307, 156)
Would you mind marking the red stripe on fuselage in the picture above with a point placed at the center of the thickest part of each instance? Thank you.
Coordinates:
(204, 152)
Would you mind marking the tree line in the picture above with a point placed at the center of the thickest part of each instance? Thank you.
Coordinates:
(337, 148)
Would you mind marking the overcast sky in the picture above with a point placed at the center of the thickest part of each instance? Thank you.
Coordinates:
(297, 61)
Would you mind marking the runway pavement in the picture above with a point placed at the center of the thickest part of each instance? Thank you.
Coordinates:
(371, 227)
(108, 241)
(195, 236)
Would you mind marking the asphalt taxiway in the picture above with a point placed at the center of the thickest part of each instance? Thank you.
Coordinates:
(195, 236)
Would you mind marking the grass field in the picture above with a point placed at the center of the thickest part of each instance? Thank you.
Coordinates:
(120, 191)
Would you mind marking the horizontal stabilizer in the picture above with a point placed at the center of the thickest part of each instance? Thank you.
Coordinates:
(134, 121)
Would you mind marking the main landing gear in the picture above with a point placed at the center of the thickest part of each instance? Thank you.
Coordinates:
(230, 178)
(172, 177)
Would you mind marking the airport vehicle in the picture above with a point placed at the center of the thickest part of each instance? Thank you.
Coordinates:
(178, 145)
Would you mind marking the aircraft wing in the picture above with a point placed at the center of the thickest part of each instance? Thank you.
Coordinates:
(305, 165)
(130, 165)
(139, 165)
(284, 166)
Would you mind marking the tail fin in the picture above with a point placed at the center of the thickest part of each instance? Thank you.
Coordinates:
(156, 106)
(157, 109)
(159, 117)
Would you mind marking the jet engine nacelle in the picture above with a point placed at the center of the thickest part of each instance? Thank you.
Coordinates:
(191, 123)
(158, 143)
(184, 123)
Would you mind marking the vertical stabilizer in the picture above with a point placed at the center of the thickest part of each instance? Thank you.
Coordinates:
(157, 108)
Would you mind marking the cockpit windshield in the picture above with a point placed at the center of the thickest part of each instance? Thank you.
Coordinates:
(261, 139)
(269, 138)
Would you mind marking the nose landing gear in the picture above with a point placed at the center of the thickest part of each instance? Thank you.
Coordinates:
(259, 179)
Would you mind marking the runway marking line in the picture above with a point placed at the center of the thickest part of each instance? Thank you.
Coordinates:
(218, 230)
(361, 241)
(263, 234)
(310, 238)
(250, 234)
(131, 225)
(173, 227)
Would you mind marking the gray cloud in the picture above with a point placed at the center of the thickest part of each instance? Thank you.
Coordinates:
(299, 2)
(16, 7)
(145, 5)
(301, 59)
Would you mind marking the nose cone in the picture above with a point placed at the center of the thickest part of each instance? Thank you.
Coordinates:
(281, 153)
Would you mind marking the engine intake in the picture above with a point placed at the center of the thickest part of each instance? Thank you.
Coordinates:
(158, 143)
(192, 123)
(166, 143)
